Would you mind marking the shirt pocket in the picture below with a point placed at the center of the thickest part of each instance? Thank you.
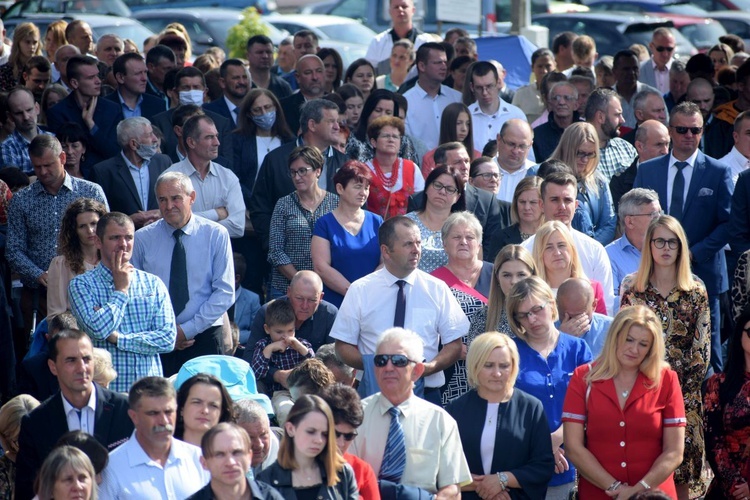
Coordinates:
(422, 468)
(423, 319)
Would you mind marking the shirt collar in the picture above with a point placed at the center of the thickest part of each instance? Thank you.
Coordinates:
(131, 165)
(91, 404)
(123, 103)
(230, 105)
(138, 456)
(690, 161)
(391, 279)
(405, 408)
(423, 93)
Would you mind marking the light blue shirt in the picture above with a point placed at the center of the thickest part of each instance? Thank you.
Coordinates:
(209, 262)
(625, 259)
(131, 473)
(127, 111)
(597, 333)
(141, 179)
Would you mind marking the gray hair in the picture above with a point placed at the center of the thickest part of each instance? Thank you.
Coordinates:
(564, 83)
(313, 110)
(465, 218)
(407, 339)
(43, 143)
(130, 128)
(599, 101)
(636, 197)
(327, 354)
(248, 411)
(110, 35)
(677, 67)
(183, 180)
(639, 101)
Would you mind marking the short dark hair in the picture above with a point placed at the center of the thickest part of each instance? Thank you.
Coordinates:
(743, 72)
(63, 321)
(441, 152)
(561, 40)
(423, 52)
(261, 39)
(598, 101)
(307, 34)
(227, 63)
(279, 313)
(313, 110)
(150, 387)
(75, 63)
(226, 413)
(387, 230)
(66, 334)
(622, 54)
(559, 179)
(119, 67)
(40, 63)
(183, 112)
(118, 218)
(191, 128)
(159, 52)
(188, 72)
(89, 445)
(483, 68)
(685, 108)
(72, 132)
(345, 404)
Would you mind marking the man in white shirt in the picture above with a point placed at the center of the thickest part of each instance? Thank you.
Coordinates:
(218, 193)
(559, 203)
(738, 159)
(402, 14)
(489, 112)
(426, 306)
(655, 70)
(514, 141)
(429, 97)
(152, 464)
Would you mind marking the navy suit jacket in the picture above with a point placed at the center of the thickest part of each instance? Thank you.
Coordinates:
(118, 185)
(150, 105)
(245, 161)
(219, 106)
(291, 106)
(705, 213)
(41, 429)
(740, 218)
(102, 144)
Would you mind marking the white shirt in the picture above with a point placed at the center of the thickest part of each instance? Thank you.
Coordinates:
(232, 109)
(86, 421)
(220, 188)
(6, 55)
(369, 307)
(423, 117)
(736, 162)
(131, 473)
(381, 46)
(486, 127)
(509, 180)
(687, 173)
(594, 261)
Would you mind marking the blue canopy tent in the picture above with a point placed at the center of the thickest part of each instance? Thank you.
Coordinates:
(513, 52)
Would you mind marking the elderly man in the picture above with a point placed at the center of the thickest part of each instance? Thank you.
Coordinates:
(397, 422)
(604, 112)
(697, 190)
(648, 104)
(401, 295)
(124, 310)
(310, 76)
(514, 140)
(263, 441)
(638, 207)
(654, 71)
(108, 48)
(128, 179)
(563, 111)
(152, 464)
(314, 317)
(103, 413)
(228, 479)
(575, 307)
(62, 56)
(179, 242)
(679, 79)
(23, 111)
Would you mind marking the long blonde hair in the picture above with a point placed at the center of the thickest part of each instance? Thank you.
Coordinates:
(685, 280)
(607, 365)
(23, 31)
(496, 299)
(543, 234)
(567, 151)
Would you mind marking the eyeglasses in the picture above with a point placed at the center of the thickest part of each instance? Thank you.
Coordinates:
(685, 130)
(398, 360)
(487, 176)
(534, 311)
(442, 187)
(390, 137)
(513, 145)
(662, 49)
(583, 155)
(560, 98)
(673, 243)
(301, 172)
(348, 436)
(653, 215)
(479, 89)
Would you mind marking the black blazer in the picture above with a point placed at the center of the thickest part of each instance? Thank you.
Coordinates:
(258, 490)
(281, 480)
(115, 179)
(291, 106)
(150, 105)
(510, 235)
(493, 214)
(35, 378)
(41, 429)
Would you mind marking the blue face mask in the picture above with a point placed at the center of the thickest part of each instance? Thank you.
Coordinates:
(266, 120)
(147, 151)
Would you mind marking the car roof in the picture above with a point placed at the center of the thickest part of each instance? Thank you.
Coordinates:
(314, 19)
(197, 13)
(610, 15)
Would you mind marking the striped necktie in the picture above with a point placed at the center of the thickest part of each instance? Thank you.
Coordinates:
(394, 458)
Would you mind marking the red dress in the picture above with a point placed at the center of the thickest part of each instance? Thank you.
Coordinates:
(381, 200)
(625, 442)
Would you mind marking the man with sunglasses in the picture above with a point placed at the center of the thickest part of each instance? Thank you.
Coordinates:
(397, 422)
(655, 70)
(697, 190)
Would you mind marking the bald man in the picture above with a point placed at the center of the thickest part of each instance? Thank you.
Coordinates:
(314, 318)
(310, 76)
(717, 139)
(575, 305)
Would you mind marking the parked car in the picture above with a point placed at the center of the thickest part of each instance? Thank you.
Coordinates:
(207, 27)
(263, 6)
(347, 36)
(612, 31)
(648, 7)
(702, 32)
(713, 5)
(735, 22)
(109, 7)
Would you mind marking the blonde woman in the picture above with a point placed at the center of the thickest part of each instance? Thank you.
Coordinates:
(631, 406)
(512, 445)
(665, 284)
(556, 257)
(547, 358)
(525, 213)
(26, 44)
(54, 38)
(67, 473)
(579, 149)
(10, 425)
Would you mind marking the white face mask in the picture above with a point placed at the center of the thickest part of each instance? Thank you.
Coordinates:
(191, 97)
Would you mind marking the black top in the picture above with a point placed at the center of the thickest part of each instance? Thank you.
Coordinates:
(310, 493)
(258, 490)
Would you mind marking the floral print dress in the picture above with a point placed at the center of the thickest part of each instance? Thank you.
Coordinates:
(686, 323)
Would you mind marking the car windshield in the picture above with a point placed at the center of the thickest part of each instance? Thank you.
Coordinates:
(703, 35)
(220, 28)
(685, 9)
(349, 32)
(111, 7)
(135, 31)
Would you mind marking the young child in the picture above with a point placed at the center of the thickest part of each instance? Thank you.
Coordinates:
(247, 304)
(280, 350)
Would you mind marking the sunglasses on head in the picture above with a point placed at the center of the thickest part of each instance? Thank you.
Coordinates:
(685, 130)
(398, 360)
(348, 436)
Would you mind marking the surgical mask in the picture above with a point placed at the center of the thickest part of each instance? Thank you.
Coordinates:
(191, 97)
(266, 120)
(146, 151)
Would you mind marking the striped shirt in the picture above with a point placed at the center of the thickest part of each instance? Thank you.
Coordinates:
(142, 317)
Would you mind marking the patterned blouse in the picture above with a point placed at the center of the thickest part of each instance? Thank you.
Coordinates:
(362, 150)
(433, 253)
(686, 323)
(291, 233)
(740, 288)
(8, 81)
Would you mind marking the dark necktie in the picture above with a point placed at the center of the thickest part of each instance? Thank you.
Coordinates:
(678, 192)
(178, 282)
(394, 457)
(400, 316)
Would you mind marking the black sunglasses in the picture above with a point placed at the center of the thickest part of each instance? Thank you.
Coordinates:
(398, 360)
(662, 49)
(685, 130)
(348, 436)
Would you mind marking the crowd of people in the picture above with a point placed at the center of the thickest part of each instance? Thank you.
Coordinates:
(259, 278)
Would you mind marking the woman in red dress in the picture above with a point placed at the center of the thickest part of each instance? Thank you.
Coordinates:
(623, 416)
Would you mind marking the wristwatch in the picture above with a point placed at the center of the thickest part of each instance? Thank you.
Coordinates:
(503, 477)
